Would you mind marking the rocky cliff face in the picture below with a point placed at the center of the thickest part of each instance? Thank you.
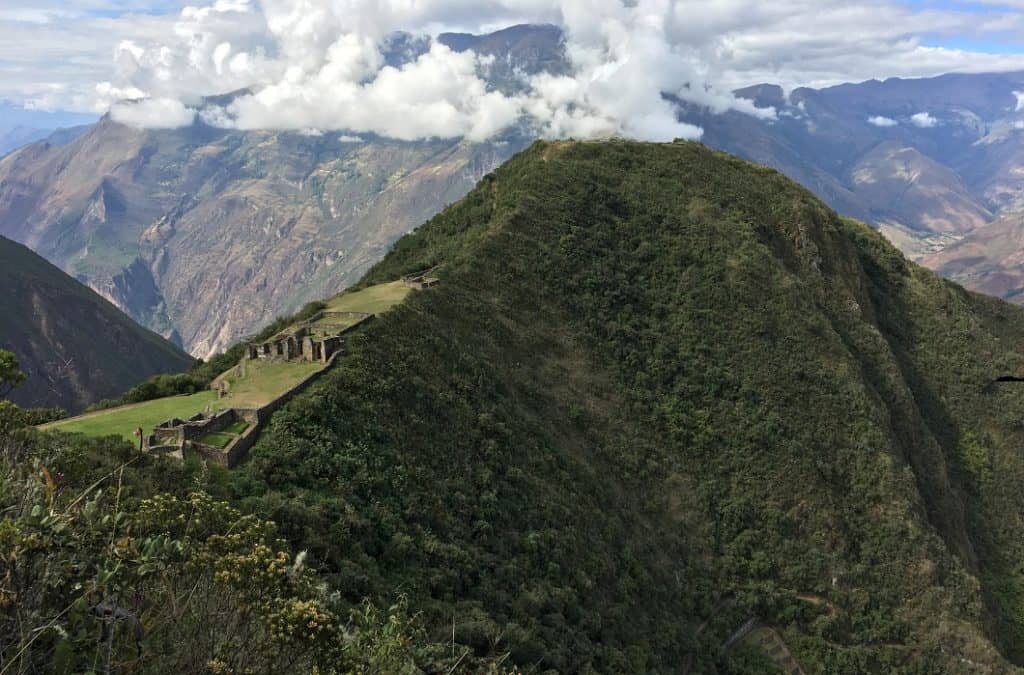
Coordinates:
(205, 234)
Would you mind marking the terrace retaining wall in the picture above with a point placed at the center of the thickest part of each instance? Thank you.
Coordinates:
(185, 435)
(237, 451)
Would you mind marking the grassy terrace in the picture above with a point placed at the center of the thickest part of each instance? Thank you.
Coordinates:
(372, 300)
(217, 440)
(236, 428)
(263, 381)
(123, 421)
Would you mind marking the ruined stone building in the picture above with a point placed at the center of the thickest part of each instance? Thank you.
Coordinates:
(421, 280)
(315, 340)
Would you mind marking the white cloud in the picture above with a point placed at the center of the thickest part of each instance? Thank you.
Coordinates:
(1020, 100)
(309, 61)
(153, 113)
(318, 65)
(348, 138)
(880, 121)
(924, 120)
(439, 94)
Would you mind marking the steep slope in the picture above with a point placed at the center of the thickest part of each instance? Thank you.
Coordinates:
(919, 192)
(204, 234)
(74, 346)
(990, 261)
(660, 391)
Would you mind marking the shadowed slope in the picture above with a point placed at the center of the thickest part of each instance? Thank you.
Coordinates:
(75, 347)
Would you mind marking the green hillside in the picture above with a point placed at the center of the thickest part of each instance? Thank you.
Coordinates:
(661, 391)
(660, 395)
(75, 347)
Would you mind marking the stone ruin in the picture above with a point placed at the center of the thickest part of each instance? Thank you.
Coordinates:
(183, 438)
(317, 339)
(421, 280)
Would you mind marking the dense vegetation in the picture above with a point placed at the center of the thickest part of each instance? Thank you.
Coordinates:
(111, 561)
(659, 391)
(659, 386)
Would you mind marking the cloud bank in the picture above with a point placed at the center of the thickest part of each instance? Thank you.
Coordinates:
(318, 64)
(153, 113)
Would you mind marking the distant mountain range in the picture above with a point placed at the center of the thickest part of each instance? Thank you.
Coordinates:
(936, 164)
(928, 161)
(20, 126)
(74, 346)
(205, 234)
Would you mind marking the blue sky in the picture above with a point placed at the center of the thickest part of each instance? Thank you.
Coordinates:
(1007, 41)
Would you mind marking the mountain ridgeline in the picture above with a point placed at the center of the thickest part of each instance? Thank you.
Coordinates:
(659, 392)
(74, 347)
(204, 234)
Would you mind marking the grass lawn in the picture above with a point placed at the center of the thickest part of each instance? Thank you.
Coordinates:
(372, 300)
(329, 327)
(217, 440)
(264, 381)
(262, 384)
(237, 428)
(124, 420)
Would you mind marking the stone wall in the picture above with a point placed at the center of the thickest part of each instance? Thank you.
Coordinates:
(218, 422)
(298, 344)
(183, 436)
(421, 280)
(240, 449)
(255, 418)
(177, 433)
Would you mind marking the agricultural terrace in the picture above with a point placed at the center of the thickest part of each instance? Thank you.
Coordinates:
(253, 384)
(124, 420)
(372, 300)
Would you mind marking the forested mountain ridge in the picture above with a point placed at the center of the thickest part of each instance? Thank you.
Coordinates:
(74, 347)
(660, 391)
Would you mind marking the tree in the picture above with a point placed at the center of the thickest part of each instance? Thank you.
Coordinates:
(10, 376)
